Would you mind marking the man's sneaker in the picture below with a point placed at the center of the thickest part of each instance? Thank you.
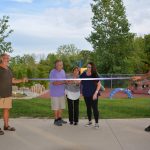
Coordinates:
(147, 129)
(9, 128)
(96, 126)
(62, 121)
(57, 123)
(1, 132)
(89, 124)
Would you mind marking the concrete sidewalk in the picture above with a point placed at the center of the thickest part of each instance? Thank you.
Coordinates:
(41, 134)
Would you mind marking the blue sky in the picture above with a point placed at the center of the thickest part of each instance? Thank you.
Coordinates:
(41, 26)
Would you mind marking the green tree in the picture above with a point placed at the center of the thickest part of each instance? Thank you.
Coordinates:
(24, 66)
(5, 46)
(69, 54)
(141, 54)
(147, 51)
(86, 56)
(68, 50)
(45, 66)
(51, 58)
(138, 55)
(111, 39)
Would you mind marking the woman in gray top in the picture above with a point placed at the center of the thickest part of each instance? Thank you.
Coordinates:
(73, 94)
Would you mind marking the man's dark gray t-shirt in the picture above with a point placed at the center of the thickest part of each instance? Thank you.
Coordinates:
(5, 82)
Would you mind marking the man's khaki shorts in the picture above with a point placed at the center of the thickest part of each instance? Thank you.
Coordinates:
(58, 103)
(6, 102)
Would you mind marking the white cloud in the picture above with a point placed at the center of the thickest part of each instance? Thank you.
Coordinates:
(50, 29)
(58, 22)
(138, 15)
(80, 2)
(23, 1)
(65, 25)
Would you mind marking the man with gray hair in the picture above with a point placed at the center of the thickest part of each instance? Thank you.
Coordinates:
(6, 81)
(57, 92)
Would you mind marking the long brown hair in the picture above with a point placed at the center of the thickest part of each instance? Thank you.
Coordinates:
(93, 70)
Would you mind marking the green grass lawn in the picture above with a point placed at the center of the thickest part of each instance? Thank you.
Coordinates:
(117, 108)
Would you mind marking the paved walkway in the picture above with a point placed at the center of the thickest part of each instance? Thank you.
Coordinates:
(41, 134)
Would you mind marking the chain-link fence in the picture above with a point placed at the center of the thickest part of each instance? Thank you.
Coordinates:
(117, 83)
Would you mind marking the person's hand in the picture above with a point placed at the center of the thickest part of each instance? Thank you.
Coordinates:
(95, 96)
(25, 80)
(135, 78)
(68, 82)
(71, 82)
(77, 82)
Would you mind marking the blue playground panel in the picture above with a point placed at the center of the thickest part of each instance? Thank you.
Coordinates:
(126, 91)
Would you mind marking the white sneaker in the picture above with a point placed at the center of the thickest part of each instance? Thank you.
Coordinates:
(89, 124)
(96, 126)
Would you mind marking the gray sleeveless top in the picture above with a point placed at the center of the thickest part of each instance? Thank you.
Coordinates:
(72, 87)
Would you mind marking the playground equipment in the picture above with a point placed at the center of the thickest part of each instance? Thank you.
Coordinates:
(126, 91)
(140, 87)
(26, 92)
(82, 70)
(37, 88)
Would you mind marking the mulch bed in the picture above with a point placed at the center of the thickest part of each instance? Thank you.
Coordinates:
(106, 93)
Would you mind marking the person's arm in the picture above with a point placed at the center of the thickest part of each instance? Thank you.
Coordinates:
(147, 75)
(52, 76)
(81, 76)
(135, 78)
(15, 81)
(59, 82)
(97, 90)
(77, 82)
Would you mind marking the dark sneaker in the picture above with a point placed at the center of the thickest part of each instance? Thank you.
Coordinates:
(63, 121)
(89, 124)
(75, 123)
(1, 132)
(57, 123)
(9, 128)
(147, 129)
(71, 123)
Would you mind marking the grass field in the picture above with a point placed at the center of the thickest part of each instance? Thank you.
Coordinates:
(117, 108)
